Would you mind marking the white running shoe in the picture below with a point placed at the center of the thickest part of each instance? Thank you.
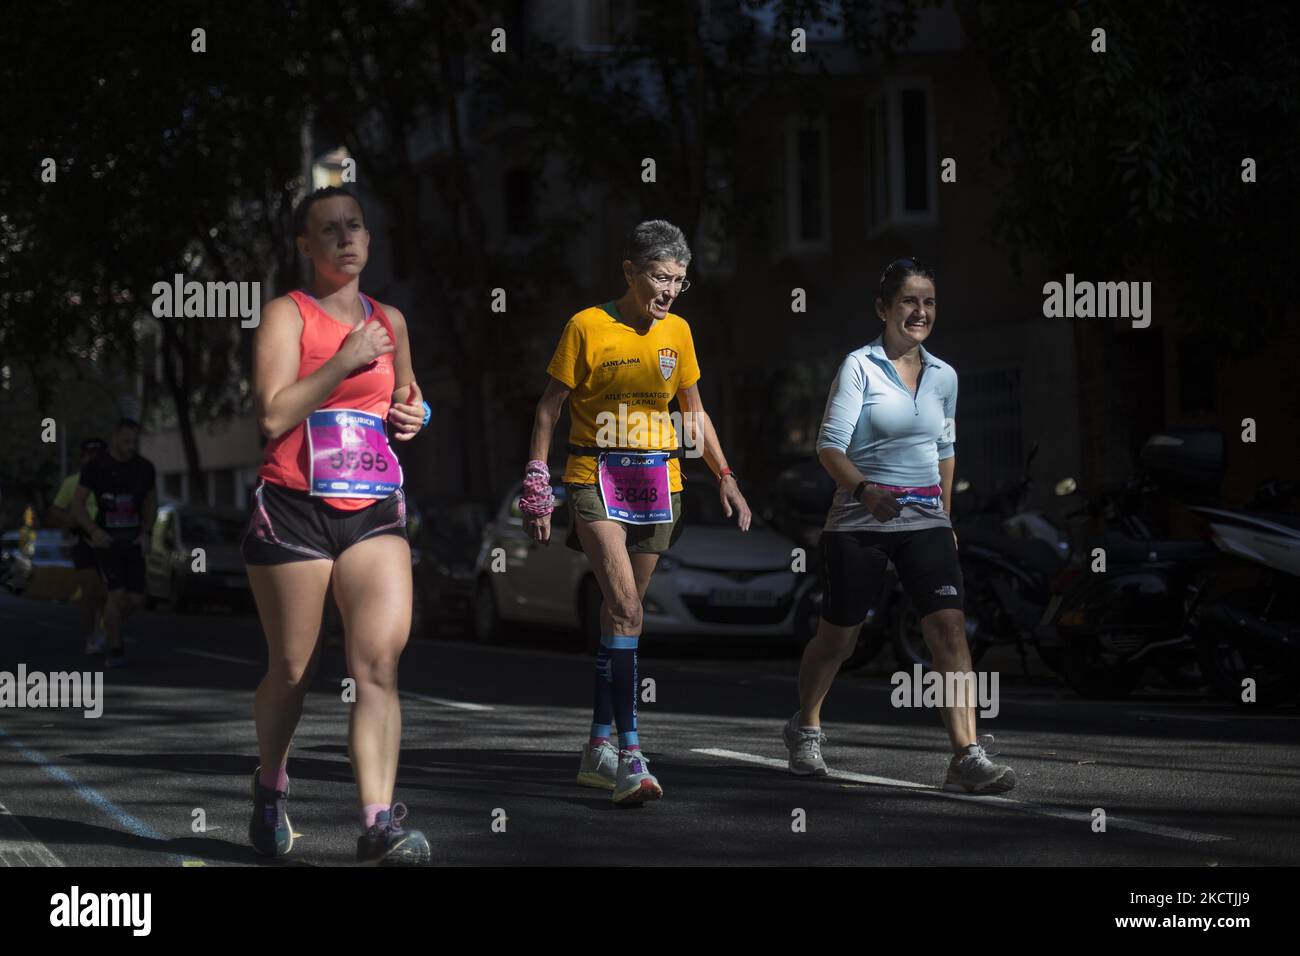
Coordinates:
(599, 767)
(635, 783)
(805, 747)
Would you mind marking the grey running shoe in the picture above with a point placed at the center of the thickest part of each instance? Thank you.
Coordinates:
(635, 783)
(599, 767)
(388, 843)
(805, 748)
(974, 772)
(269, 829)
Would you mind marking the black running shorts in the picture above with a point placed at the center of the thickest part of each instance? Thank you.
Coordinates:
(83, 556)
(121, 565)
(854, 561)
(289, 525)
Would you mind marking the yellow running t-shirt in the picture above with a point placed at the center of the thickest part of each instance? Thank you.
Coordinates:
(607, 363)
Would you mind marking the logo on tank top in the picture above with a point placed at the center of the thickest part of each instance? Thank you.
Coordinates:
(667, 362)
(381, 364)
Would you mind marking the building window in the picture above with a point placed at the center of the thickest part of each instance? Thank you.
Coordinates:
(807, 185)
(901, 159)
(916, 182)
(328, 170)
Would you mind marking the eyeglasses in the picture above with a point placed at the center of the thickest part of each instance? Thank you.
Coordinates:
(660, 283)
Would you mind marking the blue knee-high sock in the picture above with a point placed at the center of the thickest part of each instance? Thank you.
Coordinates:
(602, 712)
(622, 657)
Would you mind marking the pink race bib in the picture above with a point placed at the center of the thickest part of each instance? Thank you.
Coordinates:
(349, 455)
(635, 488)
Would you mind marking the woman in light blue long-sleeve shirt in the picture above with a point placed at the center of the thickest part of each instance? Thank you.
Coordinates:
(887, 438)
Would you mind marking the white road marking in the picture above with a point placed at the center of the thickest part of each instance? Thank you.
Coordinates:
(1223, 719)
(1076, 816)
(1170, 715)
(444, 702)
(18, 847)
(220, 657)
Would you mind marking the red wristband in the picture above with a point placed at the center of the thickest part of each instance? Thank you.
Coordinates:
(725, 472)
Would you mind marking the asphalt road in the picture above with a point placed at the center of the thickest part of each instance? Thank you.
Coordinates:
(1183, 780)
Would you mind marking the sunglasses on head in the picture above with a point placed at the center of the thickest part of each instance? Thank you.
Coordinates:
(906, 264)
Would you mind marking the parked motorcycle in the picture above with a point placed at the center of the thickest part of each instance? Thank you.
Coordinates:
(1246, 626)
(1009, 555)
(1102, 630)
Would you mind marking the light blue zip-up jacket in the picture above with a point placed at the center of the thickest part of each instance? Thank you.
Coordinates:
(893, 436)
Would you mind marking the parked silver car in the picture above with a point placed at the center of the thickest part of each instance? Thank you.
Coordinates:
(169, 567)
(716, 581)
(47, 554)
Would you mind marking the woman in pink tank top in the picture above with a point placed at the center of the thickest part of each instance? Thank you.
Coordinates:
(332, 383)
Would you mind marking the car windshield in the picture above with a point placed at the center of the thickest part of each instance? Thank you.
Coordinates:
(210, 529)
(49, 551)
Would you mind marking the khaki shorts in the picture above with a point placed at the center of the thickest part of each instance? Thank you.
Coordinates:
(584, 501)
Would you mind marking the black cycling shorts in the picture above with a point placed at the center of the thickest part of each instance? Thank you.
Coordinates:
(121, 565)
(290, 525)
(854, 561)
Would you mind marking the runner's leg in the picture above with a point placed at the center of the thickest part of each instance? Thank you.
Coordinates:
(289, 600)
(945, 636)
(623, 579)
(92, 594)
(854, 569)
(113, 612)
(605, 542)
(643, 566)
(372, 586)
(822, 658)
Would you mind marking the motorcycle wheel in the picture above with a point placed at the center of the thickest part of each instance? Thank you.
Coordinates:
(870, 639)
(909, 641)
(1226, 662)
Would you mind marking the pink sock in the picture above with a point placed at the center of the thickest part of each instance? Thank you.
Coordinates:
(274, 779)
(369, 812)
(595, 742)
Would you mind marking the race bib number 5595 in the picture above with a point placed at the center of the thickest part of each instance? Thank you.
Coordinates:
(349, 455)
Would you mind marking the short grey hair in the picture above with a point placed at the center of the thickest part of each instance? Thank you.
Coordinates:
(657, 240)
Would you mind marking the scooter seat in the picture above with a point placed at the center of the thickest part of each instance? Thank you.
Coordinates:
(1129, 550)
(1031, 553)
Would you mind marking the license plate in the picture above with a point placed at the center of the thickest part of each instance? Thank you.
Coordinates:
(741, 597)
